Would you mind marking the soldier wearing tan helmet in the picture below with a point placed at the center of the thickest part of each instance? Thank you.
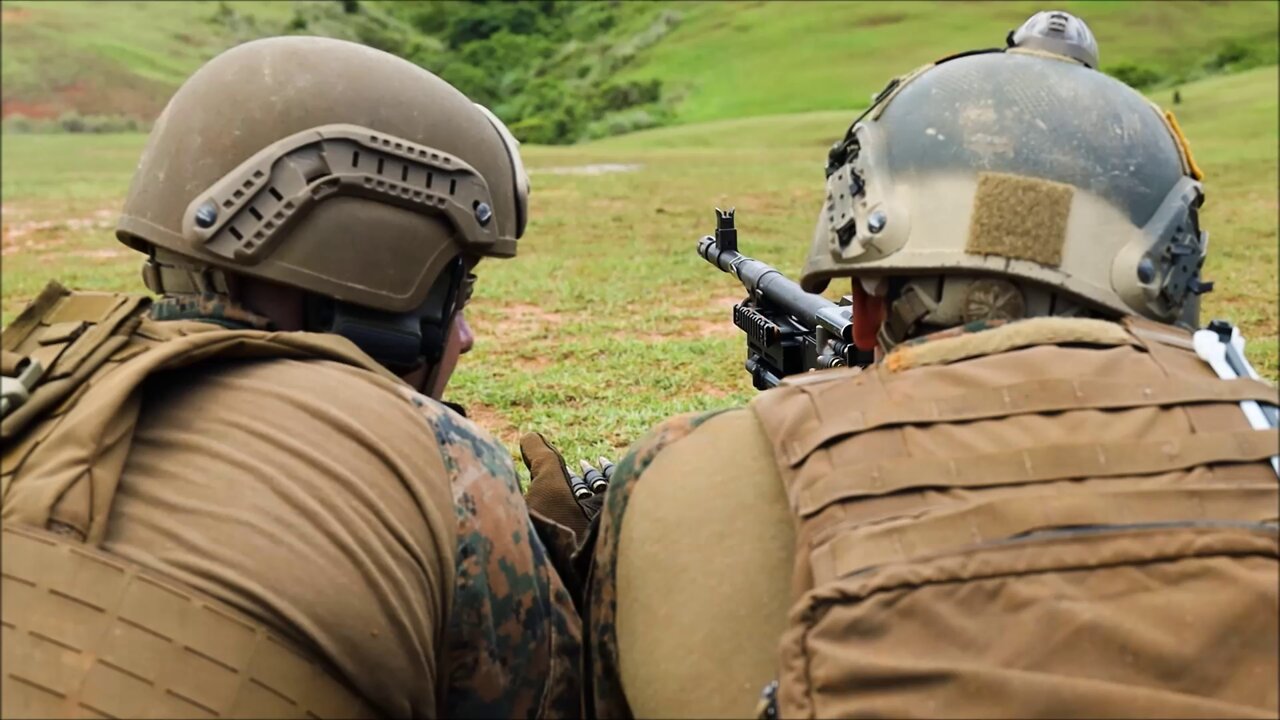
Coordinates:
(1040, 503)
(244, 498)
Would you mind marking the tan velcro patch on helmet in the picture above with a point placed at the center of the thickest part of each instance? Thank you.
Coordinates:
(1019, 217)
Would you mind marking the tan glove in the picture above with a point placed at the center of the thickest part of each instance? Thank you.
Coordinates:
(556, 493)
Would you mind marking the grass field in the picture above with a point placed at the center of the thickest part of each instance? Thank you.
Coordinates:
(608, 321)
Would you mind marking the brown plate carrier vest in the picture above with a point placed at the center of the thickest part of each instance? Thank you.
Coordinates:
(1054, 517)
(90, 634)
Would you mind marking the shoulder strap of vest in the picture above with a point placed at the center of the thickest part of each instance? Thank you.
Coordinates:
(89, 393)
(58, 340)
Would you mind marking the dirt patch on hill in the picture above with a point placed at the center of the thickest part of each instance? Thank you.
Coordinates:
(16, 16)
(115, 92)
(35, 109)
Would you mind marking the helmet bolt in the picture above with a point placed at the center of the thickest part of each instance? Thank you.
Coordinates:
(483, 213)
(877, 221)
(206, 214)
(1146, 271)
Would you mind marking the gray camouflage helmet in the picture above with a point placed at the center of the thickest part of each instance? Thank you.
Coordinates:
(326, 166)
(1055, 183)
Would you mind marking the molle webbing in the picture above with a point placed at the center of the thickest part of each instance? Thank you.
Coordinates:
(814, 422)
(1174, 355)
(1007, 517)
(836, 417)
(953, 519)
(88, 634)
(1038, 465)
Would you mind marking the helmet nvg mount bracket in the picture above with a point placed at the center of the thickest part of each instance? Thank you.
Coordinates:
(1059, 33)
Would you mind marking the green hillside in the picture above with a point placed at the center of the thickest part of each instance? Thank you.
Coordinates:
(115, 58)
(559, 72)
(767, 58)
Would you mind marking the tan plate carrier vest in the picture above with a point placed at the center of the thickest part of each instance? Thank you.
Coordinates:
(966, 506)
(89, 634)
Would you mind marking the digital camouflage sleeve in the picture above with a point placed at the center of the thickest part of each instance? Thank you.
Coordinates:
(513, 640)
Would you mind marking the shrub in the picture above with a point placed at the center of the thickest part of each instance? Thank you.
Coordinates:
(1134, 75)
(1232, 53)
(630, 120)
(71, 122)
(621, 96)
(20, 124)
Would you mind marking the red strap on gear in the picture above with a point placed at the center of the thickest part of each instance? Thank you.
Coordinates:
(868, 315)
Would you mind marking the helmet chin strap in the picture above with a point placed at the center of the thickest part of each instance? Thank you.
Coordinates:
(903, 317)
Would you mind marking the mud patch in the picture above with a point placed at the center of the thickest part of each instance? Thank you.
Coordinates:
(711, 391)
(878, 20)
(45, 235)
(702, 329)
(519, 320)
(101, 254)
(533, 364)
(695, 329)
(592, 169)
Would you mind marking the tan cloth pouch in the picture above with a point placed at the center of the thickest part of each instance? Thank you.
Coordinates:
(1156, 620)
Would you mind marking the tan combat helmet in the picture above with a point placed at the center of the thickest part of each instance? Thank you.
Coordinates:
(1010, 183)
(334, 168)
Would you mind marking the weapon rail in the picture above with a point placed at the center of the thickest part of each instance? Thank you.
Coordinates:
(788, 330)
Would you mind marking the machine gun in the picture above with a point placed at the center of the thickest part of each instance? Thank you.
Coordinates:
(788, 330)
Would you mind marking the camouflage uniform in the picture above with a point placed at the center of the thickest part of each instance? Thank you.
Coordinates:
(281, 488)
(920, 645)
(510, 644)
(513, 640)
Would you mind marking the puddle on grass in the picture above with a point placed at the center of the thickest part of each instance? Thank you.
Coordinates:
(593, 169)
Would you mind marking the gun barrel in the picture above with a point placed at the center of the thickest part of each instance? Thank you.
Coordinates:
(767, 281)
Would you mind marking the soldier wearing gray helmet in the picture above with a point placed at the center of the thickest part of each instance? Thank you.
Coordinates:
(245, 498)
(1040, 501)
